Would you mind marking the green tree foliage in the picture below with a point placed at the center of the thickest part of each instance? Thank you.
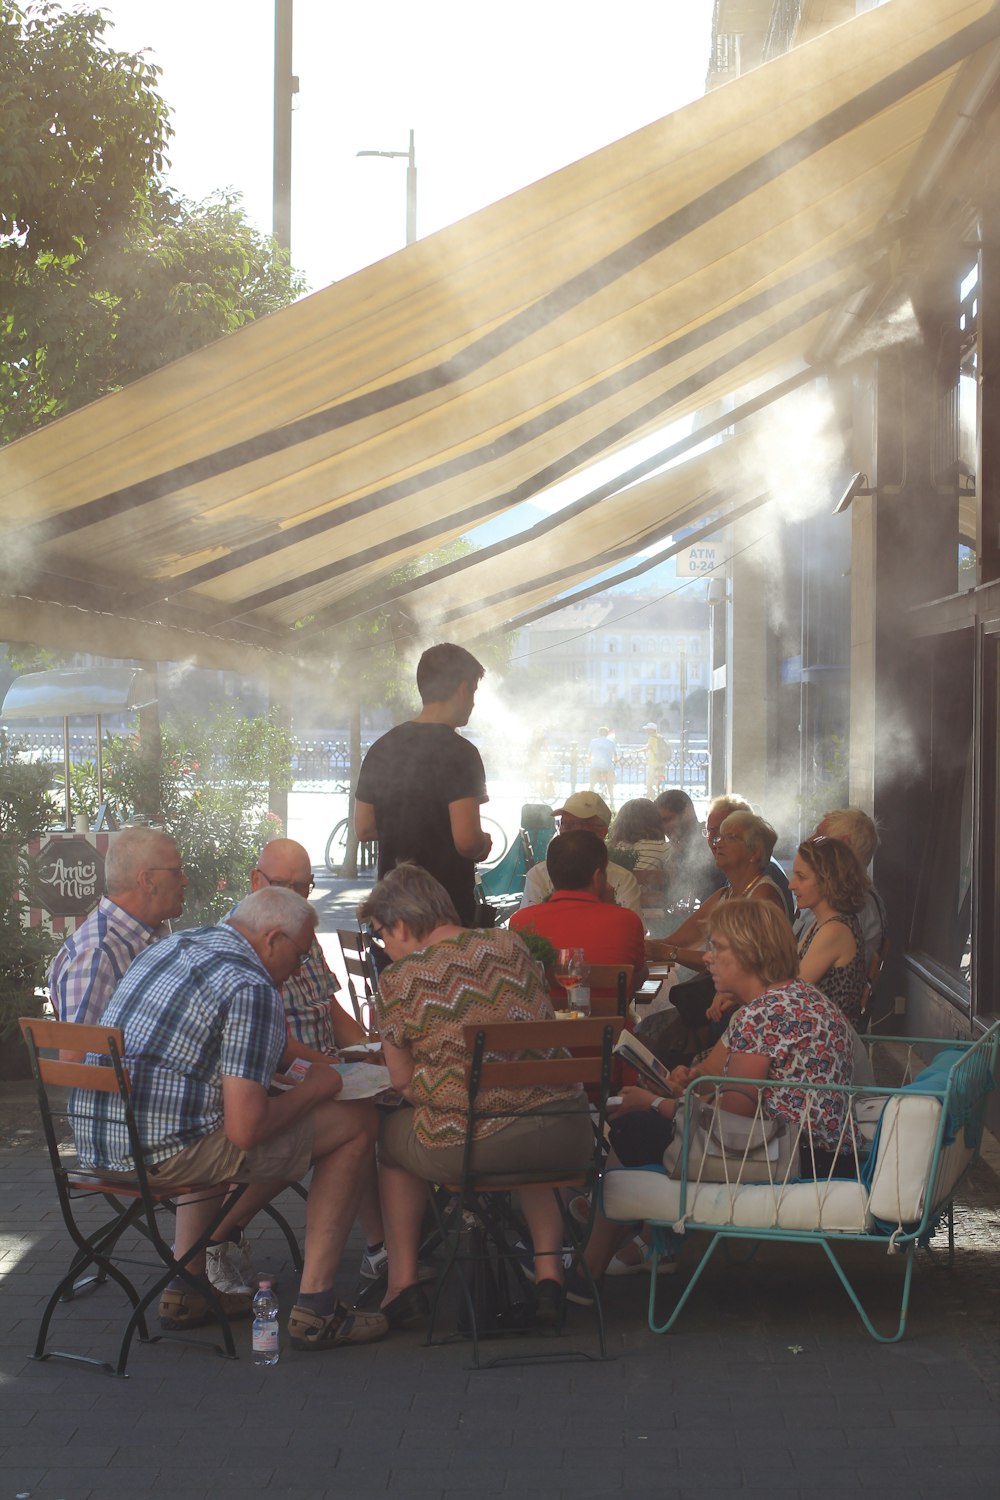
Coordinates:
(26, 810)
(212, 783)
(104, 273)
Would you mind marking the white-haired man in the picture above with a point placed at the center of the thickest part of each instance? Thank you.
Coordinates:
(145, 884)
(318, 1025)
(204, 1034)
(585, 810)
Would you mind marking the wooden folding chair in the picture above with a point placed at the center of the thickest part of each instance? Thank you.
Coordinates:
(504, 1055)
(134, 1197)
(610, 989)
(360, 987)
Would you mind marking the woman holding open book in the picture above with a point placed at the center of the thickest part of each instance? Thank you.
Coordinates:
(784, 1030)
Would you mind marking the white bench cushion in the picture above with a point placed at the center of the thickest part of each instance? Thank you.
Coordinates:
(900, 1181)
(840, 1206)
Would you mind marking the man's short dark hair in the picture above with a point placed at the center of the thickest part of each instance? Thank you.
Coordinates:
(572, 859)
(442, 670)
(675, 801)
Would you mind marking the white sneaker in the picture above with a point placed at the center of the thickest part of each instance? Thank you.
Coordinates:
(230, 1269)
(374, 1263)
(635, 1256)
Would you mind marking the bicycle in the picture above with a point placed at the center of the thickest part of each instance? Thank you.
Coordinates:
(336, 848)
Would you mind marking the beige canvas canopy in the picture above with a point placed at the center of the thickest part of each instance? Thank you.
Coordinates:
(287, 472)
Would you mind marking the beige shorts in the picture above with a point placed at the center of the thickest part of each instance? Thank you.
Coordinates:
(558, 1139)
(285, 1157)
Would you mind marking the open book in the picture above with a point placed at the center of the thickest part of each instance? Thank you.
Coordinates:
(633, 1052)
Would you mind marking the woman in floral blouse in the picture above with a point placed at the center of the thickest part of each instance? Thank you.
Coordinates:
(784, 1031)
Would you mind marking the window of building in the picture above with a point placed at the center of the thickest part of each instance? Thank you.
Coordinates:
(942, 915)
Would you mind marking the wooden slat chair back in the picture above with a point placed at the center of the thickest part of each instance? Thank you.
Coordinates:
(354, 948)
(610, 989)
(582, 1056)
(133, 1197)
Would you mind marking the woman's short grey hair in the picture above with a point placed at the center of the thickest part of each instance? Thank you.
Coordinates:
(274, 907)
(408, 894)
(759, 837)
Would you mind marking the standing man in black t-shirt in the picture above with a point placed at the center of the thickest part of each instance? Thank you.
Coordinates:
(421, 785)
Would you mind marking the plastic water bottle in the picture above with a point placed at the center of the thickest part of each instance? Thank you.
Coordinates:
(265, 1325)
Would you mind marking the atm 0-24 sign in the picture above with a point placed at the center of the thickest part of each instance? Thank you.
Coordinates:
(694, 561)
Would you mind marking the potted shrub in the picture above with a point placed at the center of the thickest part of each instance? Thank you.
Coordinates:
(26, 810)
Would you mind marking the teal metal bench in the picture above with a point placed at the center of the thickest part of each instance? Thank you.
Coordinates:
(911, 1147)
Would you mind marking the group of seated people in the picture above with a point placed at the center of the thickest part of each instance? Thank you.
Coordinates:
(211, 1015)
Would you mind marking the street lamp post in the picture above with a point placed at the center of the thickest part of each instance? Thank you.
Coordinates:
(411, 185)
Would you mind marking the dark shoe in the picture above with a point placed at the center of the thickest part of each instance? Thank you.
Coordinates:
(578, 1288)
(549, 1306)
(409, 1310)
(345, 1325)
(183, 1307)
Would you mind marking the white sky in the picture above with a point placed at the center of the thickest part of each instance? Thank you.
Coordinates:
(498, 96)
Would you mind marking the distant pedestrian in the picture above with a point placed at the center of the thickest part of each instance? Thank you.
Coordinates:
(657, 754)
(603, 757)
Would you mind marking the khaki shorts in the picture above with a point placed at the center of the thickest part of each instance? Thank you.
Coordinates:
(558, 1139)
(285, 1157)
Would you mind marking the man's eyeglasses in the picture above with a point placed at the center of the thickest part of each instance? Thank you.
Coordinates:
(300, 887)
(176, 870)
(302, 954)
(723, 838)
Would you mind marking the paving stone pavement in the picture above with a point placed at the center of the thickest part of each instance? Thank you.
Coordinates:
(770, 1387)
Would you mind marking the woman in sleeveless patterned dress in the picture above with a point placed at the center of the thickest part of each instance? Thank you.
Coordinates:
(828, 880)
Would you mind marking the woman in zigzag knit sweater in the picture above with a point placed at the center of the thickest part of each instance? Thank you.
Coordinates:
(444, 977)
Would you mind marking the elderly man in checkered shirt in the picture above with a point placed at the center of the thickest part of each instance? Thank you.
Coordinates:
(145, 884)
(204, 1033)
(317, 1024)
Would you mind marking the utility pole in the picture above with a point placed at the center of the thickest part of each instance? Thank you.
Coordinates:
(286, 86)
(410, 157)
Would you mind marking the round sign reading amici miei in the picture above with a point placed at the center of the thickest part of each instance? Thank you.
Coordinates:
(67, 878)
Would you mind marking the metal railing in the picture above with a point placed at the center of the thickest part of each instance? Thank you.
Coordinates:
(325, 765)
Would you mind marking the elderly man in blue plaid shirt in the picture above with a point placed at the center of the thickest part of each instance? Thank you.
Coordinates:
(204, 1034)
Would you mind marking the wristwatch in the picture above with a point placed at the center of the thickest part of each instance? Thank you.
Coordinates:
(654, 1105)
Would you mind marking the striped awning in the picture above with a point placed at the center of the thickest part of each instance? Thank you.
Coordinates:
(288, 472)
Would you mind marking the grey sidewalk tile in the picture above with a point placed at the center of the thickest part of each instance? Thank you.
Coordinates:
(102, 1481)
(14, 1477)
(86, 1454)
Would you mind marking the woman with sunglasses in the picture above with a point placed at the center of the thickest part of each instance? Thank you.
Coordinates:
(742, 849)
(828, 880)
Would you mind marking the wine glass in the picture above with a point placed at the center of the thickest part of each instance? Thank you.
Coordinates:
(572, 972)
